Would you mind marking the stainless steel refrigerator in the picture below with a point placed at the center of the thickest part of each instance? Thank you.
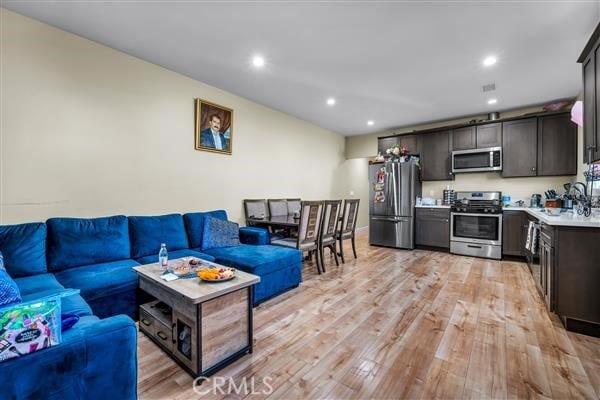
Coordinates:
(393, 191)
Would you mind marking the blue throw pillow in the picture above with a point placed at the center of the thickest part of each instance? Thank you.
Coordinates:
(9, 291)
(220, 233)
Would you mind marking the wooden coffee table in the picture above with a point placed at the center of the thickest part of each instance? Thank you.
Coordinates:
(202, 326)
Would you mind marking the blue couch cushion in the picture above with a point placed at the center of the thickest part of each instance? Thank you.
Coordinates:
(101, 280)
(24, 248)
(220, 233)
(39, 286)
(258, 260)
(9, 291)
(147, 233)
(36, 286)
(194, 224)
(176, 254)
(75, 304)
(73, 242)
(254, 235)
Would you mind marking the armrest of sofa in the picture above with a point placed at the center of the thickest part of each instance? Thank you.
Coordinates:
(96, 358)
(254, 235)
(111, 358)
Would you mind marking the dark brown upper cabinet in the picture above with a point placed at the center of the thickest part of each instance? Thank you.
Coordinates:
(385, 143)
(464, 138)
(590, 61)
(489, 135)
(435, 153)
(557, 146)
(519, 148)
(411, 142)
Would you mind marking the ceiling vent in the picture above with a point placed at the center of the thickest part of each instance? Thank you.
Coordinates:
(489, 87)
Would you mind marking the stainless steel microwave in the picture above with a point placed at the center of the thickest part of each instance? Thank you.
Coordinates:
(477, 160)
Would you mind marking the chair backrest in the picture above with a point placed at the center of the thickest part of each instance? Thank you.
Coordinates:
(349, 214)
(293, 205)
(255, 208)
(331, 215)
(278, 207)
(310, 221)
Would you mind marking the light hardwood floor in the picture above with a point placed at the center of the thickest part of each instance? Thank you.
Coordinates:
(400, 324)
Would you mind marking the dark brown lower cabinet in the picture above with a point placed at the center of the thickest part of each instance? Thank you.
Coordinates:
(569, 275)
(432, 227)
(514, 233)
(547, 267)
(576, 261)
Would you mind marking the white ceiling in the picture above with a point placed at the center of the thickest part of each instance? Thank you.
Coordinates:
(397, 63)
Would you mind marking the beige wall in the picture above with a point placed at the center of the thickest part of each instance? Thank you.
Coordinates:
(90, 131)
(359, 149)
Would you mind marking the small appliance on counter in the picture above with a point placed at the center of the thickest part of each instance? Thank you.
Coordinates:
(448, 197)
(536, 201)
(476, 224)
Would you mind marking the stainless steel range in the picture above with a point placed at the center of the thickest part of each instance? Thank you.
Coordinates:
(476, 224)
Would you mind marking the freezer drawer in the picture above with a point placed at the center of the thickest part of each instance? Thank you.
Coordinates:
(392, 232)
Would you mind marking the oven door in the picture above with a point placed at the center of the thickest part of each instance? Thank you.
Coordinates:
(476, 228)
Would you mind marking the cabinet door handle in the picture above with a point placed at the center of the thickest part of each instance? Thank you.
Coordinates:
(146, 322)
(161, 335)
(473, 247)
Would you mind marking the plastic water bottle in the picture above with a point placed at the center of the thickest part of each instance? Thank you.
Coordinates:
(163, 256)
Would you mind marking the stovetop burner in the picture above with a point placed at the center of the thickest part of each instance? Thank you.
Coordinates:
(478, 202)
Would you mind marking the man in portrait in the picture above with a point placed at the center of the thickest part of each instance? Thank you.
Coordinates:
(212, 136)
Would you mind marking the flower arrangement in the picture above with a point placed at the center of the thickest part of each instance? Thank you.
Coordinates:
(396, 152)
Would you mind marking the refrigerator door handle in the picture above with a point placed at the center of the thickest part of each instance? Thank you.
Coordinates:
(390, 219)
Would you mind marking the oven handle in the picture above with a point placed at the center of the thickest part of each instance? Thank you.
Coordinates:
(478, 215)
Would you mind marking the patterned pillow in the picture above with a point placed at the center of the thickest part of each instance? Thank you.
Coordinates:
(220, 233)
(9, 292)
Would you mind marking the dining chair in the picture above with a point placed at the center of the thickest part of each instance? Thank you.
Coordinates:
(327, 232)
(308, 231)
(255, 208)
(348, 225)
(278, 207)
(293, 205)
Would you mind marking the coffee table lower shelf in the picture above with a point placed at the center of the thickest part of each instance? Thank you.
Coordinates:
(204, 337)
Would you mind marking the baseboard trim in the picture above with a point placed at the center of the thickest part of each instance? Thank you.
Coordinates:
(362, 228)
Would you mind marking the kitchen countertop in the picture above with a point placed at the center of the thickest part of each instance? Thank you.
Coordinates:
(564, 219)
(432, 206)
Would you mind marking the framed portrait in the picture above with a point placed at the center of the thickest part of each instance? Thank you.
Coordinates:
(214, 127)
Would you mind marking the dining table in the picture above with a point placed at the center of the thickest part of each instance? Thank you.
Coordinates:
(280, 221)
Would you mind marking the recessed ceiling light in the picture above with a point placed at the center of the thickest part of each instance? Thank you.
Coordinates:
(370, 123)
(489, 61)
(258, 61)
(330, 101)
(492, 101)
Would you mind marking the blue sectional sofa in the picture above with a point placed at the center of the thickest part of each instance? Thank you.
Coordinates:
(83, 365)
(97, 358)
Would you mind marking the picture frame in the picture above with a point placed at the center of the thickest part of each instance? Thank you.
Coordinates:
(214, 127)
